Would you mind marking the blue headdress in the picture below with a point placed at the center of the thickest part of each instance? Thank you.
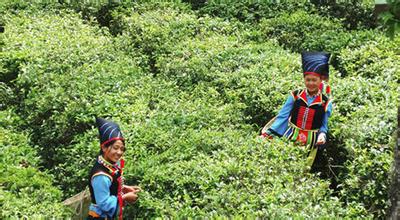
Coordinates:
(109, 131)
(315, 63)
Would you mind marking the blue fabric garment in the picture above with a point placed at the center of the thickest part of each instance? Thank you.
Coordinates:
(281, 122)
(106, 204)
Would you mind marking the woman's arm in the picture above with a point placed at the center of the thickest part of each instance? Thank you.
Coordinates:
(324, 127)
(281, 122)
(135, 189)
(101, 188)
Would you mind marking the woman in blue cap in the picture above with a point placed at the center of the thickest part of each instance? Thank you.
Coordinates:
(304, 116)
(107, 190)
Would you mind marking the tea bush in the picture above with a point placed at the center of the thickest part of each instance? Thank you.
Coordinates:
(188, 179)
(251, 11)
(293, 30)
(61, 75)
(244, 73)
(209, 52)
(231, 180)
(107, 13)
(353, 14)
(374, 59)
(196, 65)
(371, 151)
(16, 6)
(365, 122)
(155, 32)
(25, 190)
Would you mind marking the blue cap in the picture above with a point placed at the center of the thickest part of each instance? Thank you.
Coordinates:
(108, 130)
(315, 63)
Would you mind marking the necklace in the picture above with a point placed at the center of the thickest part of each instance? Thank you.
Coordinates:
(113, 168)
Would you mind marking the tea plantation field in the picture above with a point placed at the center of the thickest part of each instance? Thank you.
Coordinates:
(191, 84)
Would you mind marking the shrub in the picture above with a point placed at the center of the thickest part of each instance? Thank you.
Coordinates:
(63, 76)
(301, 31)
(106, 13)
(26, 191)
(251, 11)
(364, 124)
(31, 5)
(259, 76)
(375, 59)
(7, 96)
(293, 29)
(155, 32)
(229, 182)
(353, 15)
(334, 41)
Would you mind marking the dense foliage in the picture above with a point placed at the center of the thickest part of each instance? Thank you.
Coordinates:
(25, 191)
(191, 85)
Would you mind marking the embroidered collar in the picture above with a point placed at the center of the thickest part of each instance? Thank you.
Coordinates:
(108, 165)
(308, 94)
(318, 97)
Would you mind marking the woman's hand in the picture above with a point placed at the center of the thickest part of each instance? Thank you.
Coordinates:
(127, 189)
(136, 188)
(321, 139)
(130, 197)
(265, 135)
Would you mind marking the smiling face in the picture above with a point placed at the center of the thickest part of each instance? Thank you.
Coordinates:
(312, 82)
(114, 152)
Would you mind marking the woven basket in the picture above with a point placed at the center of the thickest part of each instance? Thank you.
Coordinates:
(268, 125)
(79, 203)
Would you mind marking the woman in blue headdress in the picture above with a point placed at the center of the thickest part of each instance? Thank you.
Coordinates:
(304, 116)
(107, 190)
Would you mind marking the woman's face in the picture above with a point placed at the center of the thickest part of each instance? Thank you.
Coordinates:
(114, 152)
(312, 82)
